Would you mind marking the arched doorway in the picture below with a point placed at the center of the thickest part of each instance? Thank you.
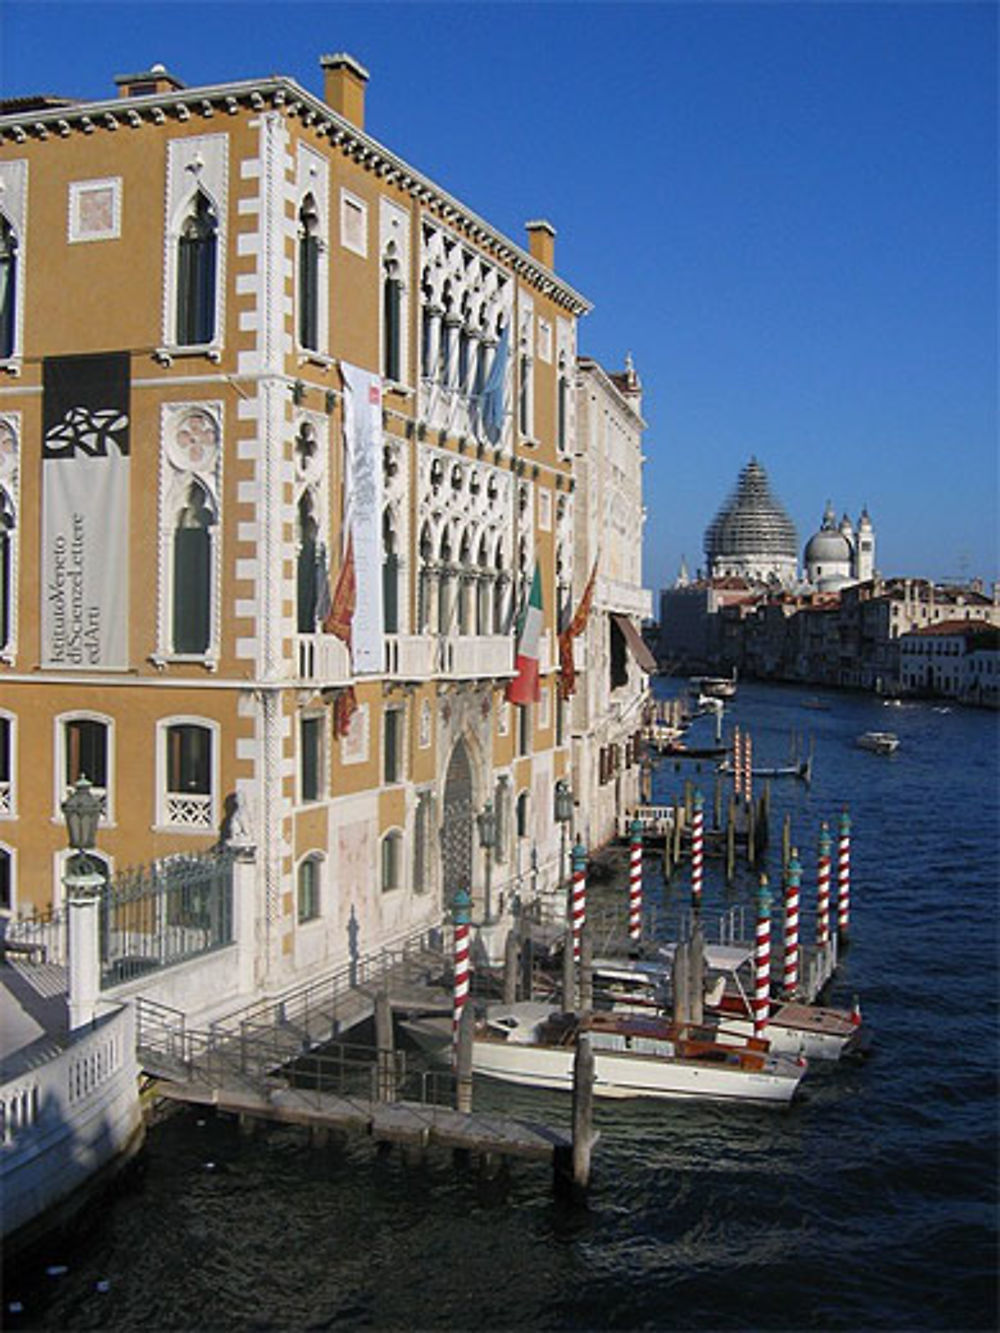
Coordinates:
(456, 826)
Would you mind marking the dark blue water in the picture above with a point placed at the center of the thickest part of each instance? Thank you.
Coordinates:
(870, 1204)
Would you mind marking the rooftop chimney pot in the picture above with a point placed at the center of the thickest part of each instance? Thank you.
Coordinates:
(542, 241)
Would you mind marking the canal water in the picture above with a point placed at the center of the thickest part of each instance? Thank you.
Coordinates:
(870, 1204)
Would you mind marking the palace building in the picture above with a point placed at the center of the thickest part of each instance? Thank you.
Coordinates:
(291, 503)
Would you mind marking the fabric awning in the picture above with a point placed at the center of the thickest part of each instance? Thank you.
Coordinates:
(636, 647)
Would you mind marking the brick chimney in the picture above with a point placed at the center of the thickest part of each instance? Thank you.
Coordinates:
(156, 80)
(542, 242)
(344, 82)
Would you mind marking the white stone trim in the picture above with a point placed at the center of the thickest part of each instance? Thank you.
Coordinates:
(77, 194)
(10, 484)
(14, 206)
(193, 164)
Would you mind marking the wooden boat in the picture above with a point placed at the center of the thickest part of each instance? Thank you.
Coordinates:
(817, 1032)
(880, 742)
(681, 750)
(635, 1055)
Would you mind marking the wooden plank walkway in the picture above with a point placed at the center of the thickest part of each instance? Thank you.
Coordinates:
(411, 1123)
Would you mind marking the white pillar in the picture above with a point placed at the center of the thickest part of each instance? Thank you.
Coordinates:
(83, 904)
(245, 917)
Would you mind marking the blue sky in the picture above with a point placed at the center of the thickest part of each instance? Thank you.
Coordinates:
(787, 212)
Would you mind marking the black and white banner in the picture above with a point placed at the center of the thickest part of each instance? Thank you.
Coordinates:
(85, 501)
(363, 510)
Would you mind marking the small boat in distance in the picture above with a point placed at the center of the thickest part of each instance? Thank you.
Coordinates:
(716, 687)
(879, 742)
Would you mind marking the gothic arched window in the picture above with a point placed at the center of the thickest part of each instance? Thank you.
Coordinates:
(306, 583)
(309, 248)
(8, 288)
(390, 575)
(197, 265)
(192, 572)
(392, 321)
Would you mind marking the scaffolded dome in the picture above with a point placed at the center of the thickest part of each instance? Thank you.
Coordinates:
(751, 534)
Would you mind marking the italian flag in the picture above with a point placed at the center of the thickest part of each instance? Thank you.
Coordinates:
(524, 688)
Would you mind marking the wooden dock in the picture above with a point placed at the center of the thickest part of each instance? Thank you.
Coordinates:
(412, 1124)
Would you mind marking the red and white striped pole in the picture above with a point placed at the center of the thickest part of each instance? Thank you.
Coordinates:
(737, 763)
(793, 879)
(461, 913)
(823, 888)
(844, 877)
(635, 881)
(762, 961)
(578, 903)
(747, 767)
(697, 848)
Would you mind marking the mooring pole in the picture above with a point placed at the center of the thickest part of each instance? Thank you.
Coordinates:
(568, 972)
(731, 841)
(844, 877)
(461, 914)
(586, 969)
(697, 849)
(635, 882)
(583, 1112)
(762, 961)
(823, 889)
(511, 963)
(793, 879)
(578, 903)
(463, 1060)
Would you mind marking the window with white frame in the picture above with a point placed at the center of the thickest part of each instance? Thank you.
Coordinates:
(392, 861)
(86, 753)
(392, 744)
(308, 888)
(526, 374)
(311, 758)
(8, 804)
(197, 273)
(95, 210)
(188, 784)
(9, 293)
(197, 184)
(9, 500)
(501, 804)
(523, 814)
(309, 281)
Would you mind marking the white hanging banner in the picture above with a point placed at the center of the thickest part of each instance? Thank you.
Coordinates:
(363, 511)
(85, 505)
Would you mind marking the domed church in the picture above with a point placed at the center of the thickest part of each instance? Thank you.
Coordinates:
(751, 536)
(837, 556)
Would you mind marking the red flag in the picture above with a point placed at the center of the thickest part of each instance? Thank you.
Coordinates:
(338, 621)
(344, 708)
(567, 669)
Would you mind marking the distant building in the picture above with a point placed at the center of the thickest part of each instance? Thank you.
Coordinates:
(836, 555)
(957, 659)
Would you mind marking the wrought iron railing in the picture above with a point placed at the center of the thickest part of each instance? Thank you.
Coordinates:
(174, 910)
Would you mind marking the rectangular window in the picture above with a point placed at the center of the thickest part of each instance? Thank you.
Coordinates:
(311, 758)
(392, 723)
(308, 895)
(6, 767)
(87, 752)
(189, 759)
(6, 878)
(391, 848)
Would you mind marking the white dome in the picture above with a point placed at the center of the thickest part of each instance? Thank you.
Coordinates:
(828, 547)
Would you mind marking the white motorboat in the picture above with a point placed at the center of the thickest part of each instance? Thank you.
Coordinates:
(635, 1055)
(817, 1032)
(881, 742)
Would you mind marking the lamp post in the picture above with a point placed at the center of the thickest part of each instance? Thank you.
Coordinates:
(82, 810)
(564, 813)
(487, 821)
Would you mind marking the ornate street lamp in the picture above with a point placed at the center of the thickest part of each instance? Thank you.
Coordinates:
(564, 813)
(487, 821)
(82, 811)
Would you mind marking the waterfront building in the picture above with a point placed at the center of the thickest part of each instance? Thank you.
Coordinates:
(605, 712)
(751, 536)
(287, 442)
(956, 659)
